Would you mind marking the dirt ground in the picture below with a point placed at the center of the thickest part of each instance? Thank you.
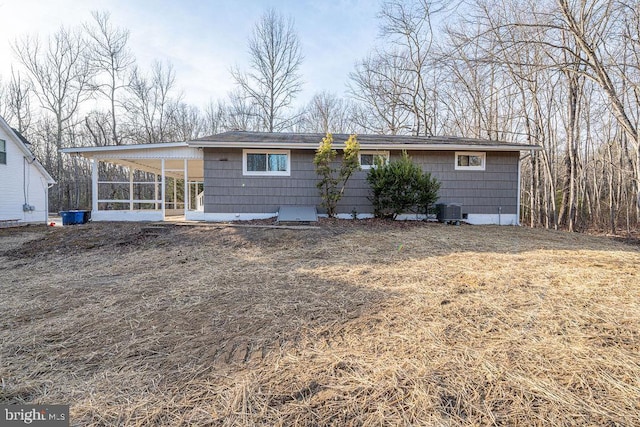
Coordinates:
(350, 323)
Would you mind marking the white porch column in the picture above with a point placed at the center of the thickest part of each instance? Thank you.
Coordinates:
(162, 190)
(186, 195)
(94, 186)
(175, 194)
(130, 189)
(155, 189)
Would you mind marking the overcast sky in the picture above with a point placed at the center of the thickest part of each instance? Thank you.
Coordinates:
(203, 39)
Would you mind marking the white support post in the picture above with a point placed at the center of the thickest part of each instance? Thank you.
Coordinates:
(175, 193)
(185, 194)
(188, 186)
(162, 190)
(130, 189)
(155, 189)
(94, 186)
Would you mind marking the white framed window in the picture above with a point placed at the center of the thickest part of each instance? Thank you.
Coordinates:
(369, 159)
(3, 152)
(470, 161)
(266, 162)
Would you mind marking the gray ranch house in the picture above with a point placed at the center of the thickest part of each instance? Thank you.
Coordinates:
(251, 175)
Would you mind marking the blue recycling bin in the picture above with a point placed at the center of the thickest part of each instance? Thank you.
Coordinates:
(75, 217)
(78, 217)
(68, 218)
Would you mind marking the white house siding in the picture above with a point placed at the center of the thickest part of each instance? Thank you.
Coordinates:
(13, 186)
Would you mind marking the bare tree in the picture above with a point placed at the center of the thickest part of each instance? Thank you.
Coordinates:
(148, 105)
(274, 79)
(185, 122)
(379, 83)
(111, 62)
(60, 72)
(19, 95)
(15, 102)
(214, 120)
(97, 124)
(241, 114)
(591, 25)
(407, 24)
(326, 113)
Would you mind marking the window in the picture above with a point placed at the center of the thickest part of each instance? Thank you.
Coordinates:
(3, 152)
(369, 159)
(470, 161)
(261, 162)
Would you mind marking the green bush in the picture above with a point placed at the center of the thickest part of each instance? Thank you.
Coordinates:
(426, 192)
(400, 187)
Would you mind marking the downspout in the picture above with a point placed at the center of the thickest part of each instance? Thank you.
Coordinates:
(46, 187)
(26, 207)
(46, 204)
(519, 190)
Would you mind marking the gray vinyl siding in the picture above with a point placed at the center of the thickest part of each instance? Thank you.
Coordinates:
(479, 192)
(226, 190)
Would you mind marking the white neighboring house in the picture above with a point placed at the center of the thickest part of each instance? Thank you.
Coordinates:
(24, 183)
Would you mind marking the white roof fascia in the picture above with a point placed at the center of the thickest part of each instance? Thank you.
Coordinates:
(177, 151)
(78, 150)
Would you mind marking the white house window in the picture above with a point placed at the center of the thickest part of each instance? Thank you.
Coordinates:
(263, 162)
(369, 159)
(470, 161)
(3, 152)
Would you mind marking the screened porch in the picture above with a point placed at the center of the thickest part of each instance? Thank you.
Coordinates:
(145, 182)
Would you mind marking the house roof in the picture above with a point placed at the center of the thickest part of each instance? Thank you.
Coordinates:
(243, 139)
(21, 137)
(23, 145)
(285, 140)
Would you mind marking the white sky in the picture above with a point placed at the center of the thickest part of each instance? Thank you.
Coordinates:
(204, 38)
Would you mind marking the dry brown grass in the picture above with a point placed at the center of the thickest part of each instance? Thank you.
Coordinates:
(362, 323)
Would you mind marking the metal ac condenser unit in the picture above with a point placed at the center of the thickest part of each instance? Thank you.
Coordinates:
(449, 213)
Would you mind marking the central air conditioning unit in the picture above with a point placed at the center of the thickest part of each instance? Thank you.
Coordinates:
(450, 213)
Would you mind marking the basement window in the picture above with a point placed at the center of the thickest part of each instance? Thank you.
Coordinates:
(3, 152)
(371, 159)
(470, 161)
(261, 162)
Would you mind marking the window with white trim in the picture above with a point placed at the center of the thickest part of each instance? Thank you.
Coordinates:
(471, 161)
(266, 162)
(370, 159)
(3, 152)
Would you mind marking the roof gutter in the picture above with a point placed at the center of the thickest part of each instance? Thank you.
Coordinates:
(365, 146)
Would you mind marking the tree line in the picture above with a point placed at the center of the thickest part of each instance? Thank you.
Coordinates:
(564, 75)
